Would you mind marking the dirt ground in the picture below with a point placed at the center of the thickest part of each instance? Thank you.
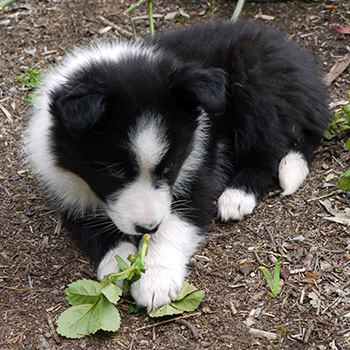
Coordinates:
(38, 259)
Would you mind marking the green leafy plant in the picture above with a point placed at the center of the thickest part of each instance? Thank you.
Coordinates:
(339, 123)
(31, 78)
(276, 282)
(93, 303)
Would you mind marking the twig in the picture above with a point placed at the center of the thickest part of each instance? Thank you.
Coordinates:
(189, 326)
(308, 333)
(116, 27)
(261, 263)
(58, 227)
(16, 289)
(53, 330)
(168, 321)
(335, 303)
(268, 230)
(321, 197)
(7, 113)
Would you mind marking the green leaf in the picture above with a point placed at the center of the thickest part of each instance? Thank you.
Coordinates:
(112, 292)
(266, 273)
(83, 292)
(276, 287)
(190, 302)
(165, 310)
(344, 181)
(328, 134)
(344, 127)
(134, 309)
(74, 322)
(186, 290)
(347, 147)
(121, 263)
(104, 316)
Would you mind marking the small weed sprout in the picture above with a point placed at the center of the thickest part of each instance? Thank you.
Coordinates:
(31, 79)
(314, 303)
(276, 282)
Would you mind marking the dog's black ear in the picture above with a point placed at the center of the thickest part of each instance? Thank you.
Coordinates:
(204, 88)
(78, 109)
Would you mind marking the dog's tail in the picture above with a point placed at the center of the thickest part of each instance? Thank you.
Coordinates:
(292, 172)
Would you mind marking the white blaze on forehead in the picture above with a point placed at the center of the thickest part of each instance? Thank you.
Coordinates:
(148, 142)
(140, 203)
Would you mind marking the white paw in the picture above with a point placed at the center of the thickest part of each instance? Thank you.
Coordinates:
(233, 204)
(293, 170)
(158, 286)
(109, 264)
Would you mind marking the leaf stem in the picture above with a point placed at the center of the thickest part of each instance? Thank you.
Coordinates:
(238, 10)
(150, 18)
(142, 254)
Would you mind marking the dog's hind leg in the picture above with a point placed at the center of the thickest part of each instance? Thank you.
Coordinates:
(251, 183)
(292, 172)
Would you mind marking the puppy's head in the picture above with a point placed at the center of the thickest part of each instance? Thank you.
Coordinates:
(135, 131)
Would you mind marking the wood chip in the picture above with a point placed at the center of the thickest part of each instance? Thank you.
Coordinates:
(232, 307)
(183, 13)
(170, 16)
(264, 17)
(264, 334)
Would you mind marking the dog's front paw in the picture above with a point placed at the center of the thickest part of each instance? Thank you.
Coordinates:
(233, 204)
(158, 286)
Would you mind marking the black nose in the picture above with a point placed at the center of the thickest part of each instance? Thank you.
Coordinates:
(146, 228)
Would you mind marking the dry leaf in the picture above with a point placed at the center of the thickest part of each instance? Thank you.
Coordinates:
(339, 29)
(326, 266)
(310, 259)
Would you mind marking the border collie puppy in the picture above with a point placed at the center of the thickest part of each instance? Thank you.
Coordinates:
(141, 137)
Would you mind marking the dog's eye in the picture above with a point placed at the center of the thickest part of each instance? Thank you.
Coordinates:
(118, 172)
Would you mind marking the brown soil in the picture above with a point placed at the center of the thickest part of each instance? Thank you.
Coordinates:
(38, 260)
